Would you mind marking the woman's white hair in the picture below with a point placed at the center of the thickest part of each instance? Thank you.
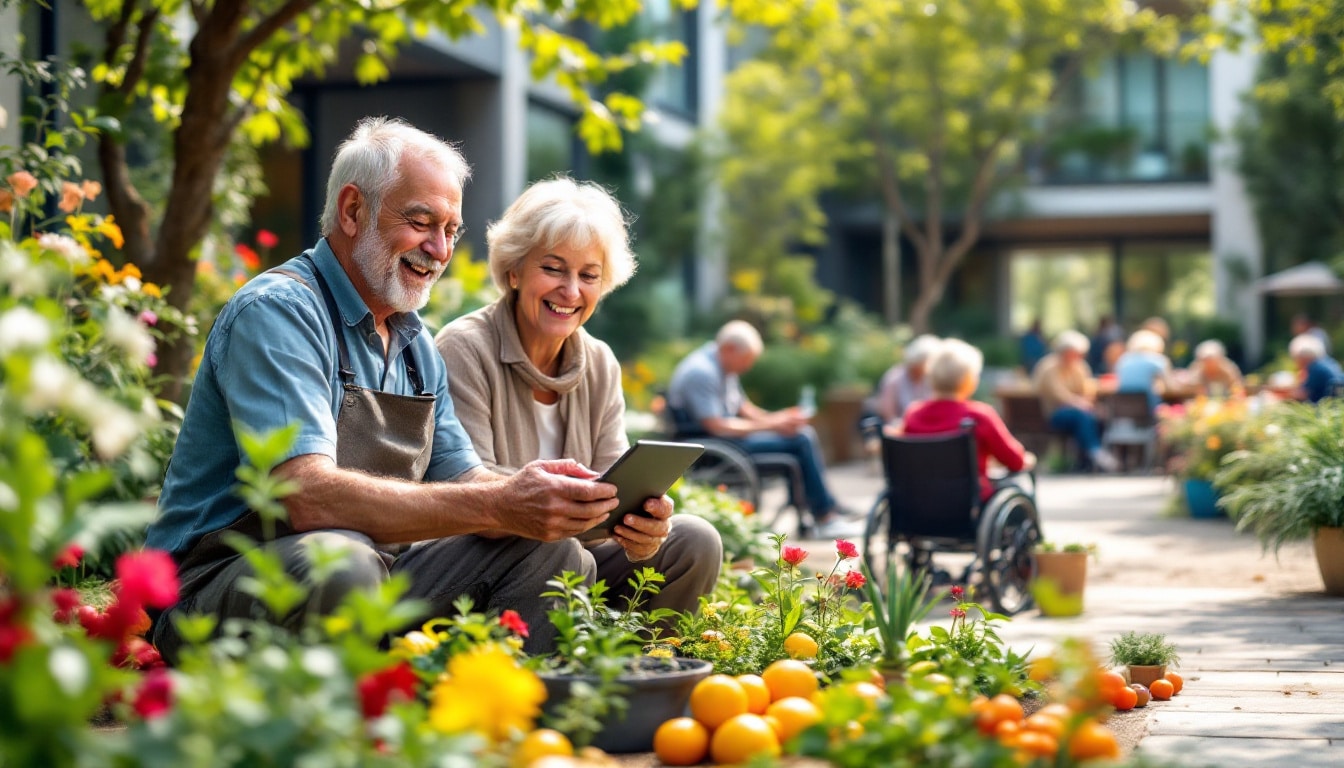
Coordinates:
(1145, 341)
(1210, 348)
(741, 335)
(1306, 345)
(921, 348)
(1071, 340)
(562, 212)
(949, 365)
(370, 158)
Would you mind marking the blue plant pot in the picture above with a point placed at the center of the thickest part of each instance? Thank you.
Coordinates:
(1202, 499)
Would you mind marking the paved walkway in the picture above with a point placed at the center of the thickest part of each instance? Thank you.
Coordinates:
(1262, 647)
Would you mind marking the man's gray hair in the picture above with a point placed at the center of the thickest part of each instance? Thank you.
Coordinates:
(920, 349)
(1072, 340)
(1144, 340)
(1210, 348)
(371, 156)
(741, 335)
(562, 212)
(1306, 345)
(949, 365)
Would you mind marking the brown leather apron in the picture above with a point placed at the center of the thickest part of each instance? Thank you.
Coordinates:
(377, 432)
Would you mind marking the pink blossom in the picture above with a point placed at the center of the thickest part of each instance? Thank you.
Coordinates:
(151, 359)
(958, 613)
(68, 557)
(148, 317)
(267, 238)
(794, 555)
(148, 577)
(66, 601)
(154, 697)
(846, 549)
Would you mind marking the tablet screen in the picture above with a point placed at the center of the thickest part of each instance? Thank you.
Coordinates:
(645, 471)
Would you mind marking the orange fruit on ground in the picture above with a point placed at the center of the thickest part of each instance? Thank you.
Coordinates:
(540, 743)
(1162, 689)
(794, 716)
(996, 710)
(1145, 695)
(1125, 699)
(1091, 740)
(742, 738)
(1177, 682)
(681, 741)
(1109, 683)
(789, 677)
(800, 645)
(1056, 710)
(1037, 744)
(758, 694)
(1007, 732)
(1043, 723)
(716, 699)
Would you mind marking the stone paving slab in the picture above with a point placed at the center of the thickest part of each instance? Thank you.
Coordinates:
(1244, 724)
(1196, 751)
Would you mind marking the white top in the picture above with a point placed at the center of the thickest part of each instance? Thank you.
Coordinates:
(550, 431)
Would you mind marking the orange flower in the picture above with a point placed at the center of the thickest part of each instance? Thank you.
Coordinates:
(71, 196)
(6, 201)
(22, 182)
(91, 189)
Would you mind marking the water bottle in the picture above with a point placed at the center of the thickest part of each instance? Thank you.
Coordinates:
(807, 401)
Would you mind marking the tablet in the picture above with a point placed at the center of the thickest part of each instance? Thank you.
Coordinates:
(645, 471)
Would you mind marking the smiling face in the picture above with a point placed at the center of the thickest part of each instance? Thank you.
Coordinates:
(403, 251)
(557, 291)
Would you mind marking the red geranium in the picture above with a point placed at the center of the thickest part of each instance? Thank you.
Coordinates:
(66, 601)
(794, 555)
(511, 621)
(148, 578)
(248, 256)
(846, 549)
(155, 695)
(379, 689)
(854, 580)
(68, 557)
(267, 239)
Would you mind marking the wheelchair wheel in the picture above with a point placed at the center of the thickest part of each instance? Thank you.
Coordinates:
(1009, 530)
(729, 469)
(878, 546)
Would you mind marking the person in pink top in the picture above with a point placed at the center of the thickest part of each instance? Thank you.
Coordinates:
(954, 373)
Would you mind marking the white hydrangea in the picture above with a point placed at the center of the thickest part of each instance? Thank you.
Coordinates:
(50, 384)
(125, 333)
(18, 274)
(114, 428)
(68, 248)
(22, 328)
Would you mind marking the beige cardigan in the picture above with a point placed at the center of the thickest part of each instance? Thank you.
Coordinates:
(490, 380)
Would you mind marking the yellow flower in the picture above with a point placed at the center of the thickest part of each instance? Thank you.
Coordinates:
(130, 270)
(103, 269)
(487, 692)
(151, 289)
(1213, 443)
(109, 229)
(415, 643)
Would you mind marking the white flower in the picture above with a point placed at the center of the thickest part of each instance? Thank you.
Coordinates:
(70, 669)
(124, 332)
(68, 248)
(18, 274)
(49, 384)
(320, 662)
(22, 328)
(113, 430)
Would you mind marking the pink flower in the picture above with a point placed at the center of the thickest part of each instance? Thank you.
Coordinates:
(846, 549)
(91, 189)
(148, 577)
(248, 256)
(958, 613)
(66, 601)
(22, 182)
(154, 697)
(794, 555)
(148, 317)
(379, 689)
(511, 621)
(151, 359)
(68, 557)
(854, 580)
(71, 196)
(958, 592)
(267, 239)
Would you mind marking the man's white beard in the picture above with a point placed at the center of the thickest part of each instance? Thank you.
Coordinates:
(382, 272)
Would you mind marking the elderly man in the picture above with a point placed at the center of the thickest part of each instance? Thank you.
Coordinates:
(330, 342)
(1319, 375)
(706, 398)
(1214, 373)
(1064, 383)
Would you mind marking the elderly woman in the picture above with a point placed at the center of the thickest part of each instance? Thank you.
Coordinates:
(953, 374)
(1214, 374)
(528, 382)
(1143, 367)
(1319, 375)
(1063, 381)
(905, 383)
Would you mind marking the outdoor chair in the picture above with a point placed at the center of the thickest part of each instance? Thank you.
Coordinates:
(1026, 420)
(931, 504)
(1130, 423)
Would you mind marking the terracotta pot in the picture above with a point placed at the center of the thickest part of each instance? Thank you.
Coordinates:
(1146, 674)
(1329, 544)
(1067, 572)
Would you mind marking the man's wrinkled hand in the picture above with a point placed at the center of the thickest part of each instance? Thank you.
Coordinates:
(642, 537)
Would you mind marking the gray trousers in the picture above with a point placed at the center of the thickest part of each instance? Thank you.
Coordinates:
(498, 574)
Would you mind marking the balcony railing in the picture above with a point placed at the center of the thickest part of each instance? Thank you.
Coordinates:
(1097, 152)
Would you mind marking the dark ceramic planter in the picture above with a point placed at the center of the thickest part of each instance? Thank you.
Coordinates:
(1202, 499)
(654, 697)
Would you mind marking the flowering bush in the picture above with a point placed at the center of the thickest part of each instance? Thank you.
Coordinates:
(1203, 431)
(745, 538)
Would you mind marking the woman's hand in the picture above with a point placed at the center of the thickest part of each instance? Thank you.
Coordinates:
(640, 536)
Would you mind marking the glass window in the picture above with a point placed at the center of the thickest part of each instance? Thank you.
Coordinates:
(550, 142)
(1062, 287)
(1174, 281)
(670, 86)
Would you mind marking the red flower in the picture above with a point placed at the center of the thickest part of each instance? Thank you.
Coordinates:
(958, 592)
(66, 601)
(846, 549)
(92, 620)
(248, 256)
(794, 555)
(377, 689)
(854, 580)
(958, 613)
(148, 577)
(68, 557)
(155, 695)
(267, 239)
(511, 621)
(12, 638)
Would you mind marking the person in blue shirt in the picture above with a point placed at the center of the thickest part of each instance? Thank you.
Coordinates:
(1319, 374)
(1032, 347)
(1143, 367)
(330, 343)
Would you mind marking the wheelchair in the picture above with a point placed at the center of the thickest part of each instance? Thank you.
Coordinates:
(932, 504)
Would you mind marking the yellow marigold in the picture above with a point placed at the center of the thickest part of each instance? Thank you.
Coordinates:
(486, 691)
(1213, 443)
(130, 270)
(104, 270)
(109, 229)
(151, 289)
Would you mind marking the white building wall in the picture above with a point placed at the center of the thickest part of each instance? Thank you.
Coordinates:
(9, 86)
(711, 279)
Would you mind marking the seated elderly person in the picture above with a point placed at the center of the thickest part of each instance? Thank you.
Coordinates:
(1143, 367)
(954, 373)
(1214, 374)
(529, 382)
(906, 383)
(1319, 375)
(1063, 381)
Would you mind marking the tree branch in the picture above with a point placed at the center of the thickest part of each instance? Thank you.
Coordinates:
(136, 69)
(265, 28)
(891, 187)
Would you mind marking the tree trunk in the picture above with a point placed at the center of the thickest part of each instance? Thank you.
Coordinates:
(931, 289)
(891, 267)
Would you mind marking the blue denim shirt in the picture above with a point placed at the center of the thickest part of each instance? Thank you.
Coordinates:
(699, 389)
(271, 360)
(1323, 375)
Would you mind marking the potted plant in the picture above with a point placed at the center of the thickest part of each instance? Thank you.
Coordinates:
(1288, 486)
(896, 608)
(600, 685)
(1201, 435)
(1145, 654)
(1061, 576)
